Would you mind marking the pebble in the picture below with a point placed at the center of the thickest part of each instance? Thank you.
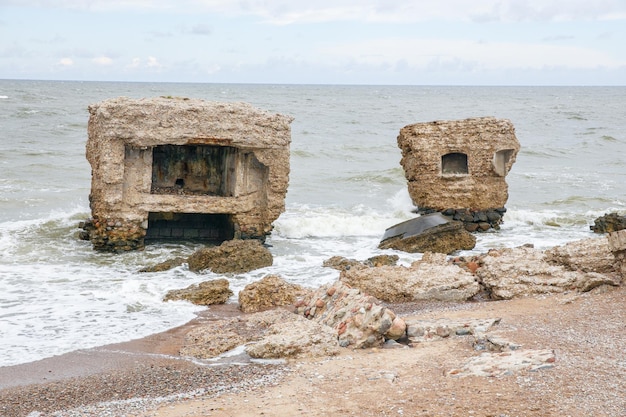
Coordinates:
(134, 391)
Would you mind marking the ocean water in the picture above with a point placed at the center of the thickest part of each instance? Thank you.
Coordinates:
(346, 187)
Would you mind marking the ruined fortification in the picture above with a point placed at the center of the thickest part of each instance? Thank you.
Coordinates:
(176, 168)
(459, 167)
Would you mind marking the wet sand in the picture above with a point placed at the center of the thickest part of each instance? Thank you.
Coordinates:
(148, 369)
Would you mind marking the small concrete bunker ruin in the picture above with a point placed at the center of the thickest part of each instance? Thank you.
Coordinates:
(184, 169)
(458, 168)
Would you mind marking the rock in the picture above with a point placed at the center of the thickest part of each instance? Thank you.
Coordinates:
(524, 271)
(340, 263)
(205, 293)
(270, 334)
(269, 292)
(397, 329)
(165, 266)
(617, 245)
(587, 255)
(419, 330)
(382, 260)
(428, 233)
(432, 278)
(210, 340)
(295, 337)
(611, 222)
(233, 256)
(358, 320)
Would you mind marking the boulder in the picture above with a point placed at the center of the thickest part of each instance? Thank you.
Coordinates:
(165, 265)
(269, 335)
(431, 278)
(611, 222)
(205, 293)
(269, 292)
(212, 339)
(232, 256)
(586, 255)
(524, 271)
(294, 336)
(358, 320)
(340, 263)
(617, 245)
(428, 233)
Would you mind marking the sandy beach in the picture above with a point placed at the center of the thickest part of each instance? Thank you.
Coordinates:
(145, 377)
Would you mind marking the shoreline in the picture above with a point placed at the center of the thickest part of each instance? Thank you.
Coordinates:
(145, 378)
(129, 375)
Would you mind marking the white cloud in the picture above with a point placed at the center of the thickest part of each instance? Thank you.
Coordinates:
(294, 11)
(424, 53)
(102, 60)
(138, 63)
(66, 62)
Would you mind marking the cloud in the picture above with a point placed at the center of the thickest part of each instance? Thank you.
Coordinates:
(102, 60)
(66, 62)
(299, 11)
(425, 53)
(138, 63)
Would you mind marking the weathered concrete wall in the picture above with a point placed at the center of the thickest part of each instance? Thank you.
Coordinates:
(123, 134)
(461, 164)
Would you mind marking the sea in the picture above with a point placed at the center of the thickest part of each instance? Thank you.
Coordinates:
(346, 187)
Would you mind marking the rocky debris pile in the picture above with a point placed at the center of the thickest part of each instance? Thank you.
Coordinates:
(269, 292)
(431, 278)
(428, 233)
(232, 256)
(358, 320)
(497, 274)
(350, 313)
(611, 222)
(205, 293)
(523, 271)
(266, 335)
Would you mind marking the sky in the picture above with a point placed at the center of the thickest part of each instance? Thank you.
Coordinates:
(379, 42)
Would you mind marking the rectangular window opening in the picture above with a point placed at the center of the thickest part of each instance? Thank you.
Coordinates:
(193, 170)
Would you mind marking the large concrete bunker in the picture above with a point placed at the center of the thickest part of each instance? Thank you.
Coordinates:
(458, 167)
(184, 169)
